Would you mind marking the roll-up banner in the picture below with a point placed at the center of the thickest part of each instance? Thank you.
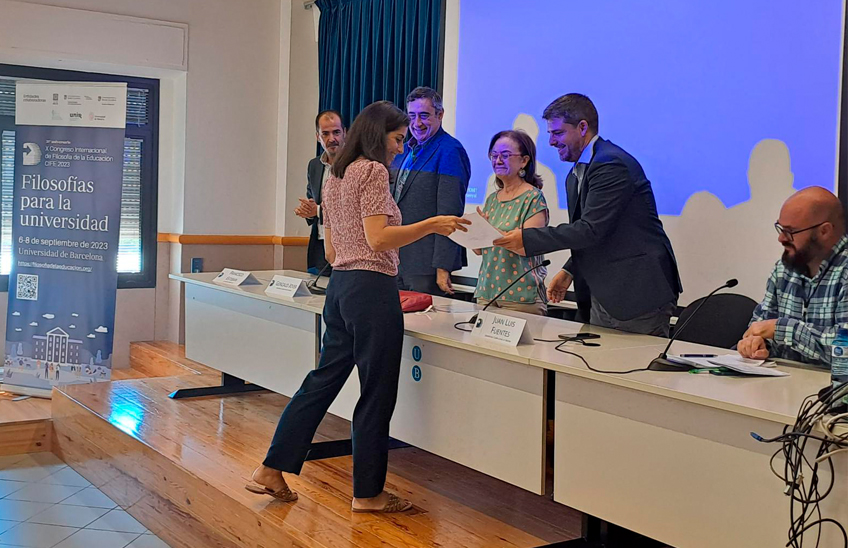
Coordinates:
(69, 152)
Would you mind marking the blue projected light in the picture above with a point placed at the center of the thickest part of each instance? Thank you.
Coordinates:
(689, 88)
(127, 416)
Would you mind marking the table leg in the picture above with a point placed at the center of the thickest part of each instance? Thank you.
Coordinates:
(341, 448)
(229, 385)
(598, 533)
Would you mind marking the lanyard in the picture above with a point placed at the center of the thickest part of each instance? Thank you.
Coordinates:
(405, 169)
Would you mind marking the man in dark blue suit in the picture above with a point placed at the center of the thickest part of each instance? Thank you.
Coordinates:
(620, 254)
(430, 178)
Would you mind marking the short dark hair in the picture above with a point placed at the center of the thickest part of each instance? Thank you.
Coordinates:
(423, 92)
(367, 135)
(572, 108)
(329, 112)
(527, 148)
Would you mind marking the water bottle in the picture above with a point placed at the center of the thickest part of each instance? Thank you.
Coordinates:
(839, 364)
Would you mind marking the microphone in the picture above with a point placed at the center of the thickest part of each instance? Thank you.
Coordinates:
(312, 285)
(546, 262)
(661, 362)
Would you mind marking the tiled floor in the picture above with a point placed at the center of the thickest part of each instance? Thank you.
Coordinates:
(45, 504)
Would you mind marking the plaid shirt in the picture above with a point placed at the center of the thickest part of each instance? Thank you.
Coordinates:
(808, 311)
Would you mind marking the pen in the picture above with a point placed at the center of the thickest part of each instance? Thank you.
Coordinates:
(698, 355)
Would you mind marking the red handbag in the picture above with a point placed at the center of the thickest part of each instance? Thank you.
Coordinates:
(413, 301)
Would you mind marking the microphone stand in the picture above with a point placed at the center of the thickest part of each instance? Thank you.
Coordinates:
(544, 263)
(313, 286)
(661, 362)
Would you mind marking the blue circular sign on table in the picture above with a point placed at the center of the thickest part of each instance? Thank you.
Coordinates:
(416, 373)
(416, 353)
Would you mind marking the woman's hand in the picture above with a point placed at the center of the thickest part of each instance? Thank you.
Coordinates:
(448, 224)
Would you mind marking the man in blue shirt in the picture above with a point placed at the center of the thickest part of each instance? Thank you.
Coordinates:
(806, 298)
(430, 178)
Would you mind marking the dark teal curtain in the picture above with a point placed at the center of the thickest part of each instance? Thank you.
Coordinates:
(371, 50)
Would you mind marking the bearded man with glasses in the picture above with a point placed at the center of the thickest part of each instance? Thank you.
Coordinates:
(806, 299)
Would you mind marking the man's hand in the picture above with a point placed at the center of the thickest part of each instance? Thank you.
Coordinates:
(764, 329)
(559, 285)
(753, 347)
(307, 209)
(443, 281)
(512, 241)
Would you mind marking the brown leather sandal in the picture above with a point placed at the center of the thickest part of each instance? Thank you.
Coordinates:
(395, 505)
(284, 494)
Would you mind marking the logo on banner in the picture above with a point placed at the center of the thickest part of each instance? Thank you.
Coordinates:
(32, 154)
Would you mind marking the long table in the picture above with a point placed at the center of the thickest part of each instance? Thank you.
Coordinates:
(668, 455)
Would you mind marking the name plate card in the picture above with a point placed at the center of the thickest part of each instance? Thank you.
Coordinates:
(287, 287)
(501, 329)
(231, 277)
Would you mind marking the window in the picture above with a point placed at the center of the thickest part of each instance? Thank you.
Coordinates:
(137, 244)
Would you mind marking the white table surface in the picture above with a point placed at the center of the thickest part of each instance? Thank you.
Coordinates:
(680, 420)
(769, 398)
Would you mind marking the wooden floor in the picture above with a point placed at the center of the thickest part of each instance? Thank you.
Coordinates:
(25, 423)
(26, 410)
(179, 467)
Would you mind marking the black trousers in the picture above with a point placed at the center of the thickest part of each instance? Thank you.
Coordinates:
(364, 326)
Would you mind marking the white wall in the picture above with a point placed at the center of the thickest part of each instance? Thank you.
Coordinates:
(302, 108)
(228, 149)
(219, 123)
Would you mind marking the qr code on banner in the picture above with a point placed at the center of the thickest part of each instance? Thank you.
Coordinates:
(27, 287)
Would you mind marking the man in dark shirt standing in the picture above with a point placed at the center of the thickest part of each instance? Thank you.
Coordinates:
(330, 132)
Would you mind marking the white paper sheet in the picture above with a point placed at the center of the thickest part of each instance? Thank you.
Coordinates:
(735, 362)
(480, 233)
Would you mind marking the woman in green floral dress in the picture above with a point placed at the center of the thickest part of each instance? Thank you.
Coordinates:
(518, 202)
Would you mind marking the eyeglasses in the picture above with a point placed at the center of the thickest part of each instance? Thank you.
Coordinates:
(493, 156)
(790, 234)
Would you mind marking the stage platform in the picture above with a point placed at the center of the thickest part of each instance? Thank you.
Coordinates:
(179, 467)
(26, 425)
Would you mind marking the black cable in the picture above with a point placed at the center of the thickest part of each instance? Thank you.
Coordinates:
(558, 348)
(456, 326)
(800, 475)
(789, 435)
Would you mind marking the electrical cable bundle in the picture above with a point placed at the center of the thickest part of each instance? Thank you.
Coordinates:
(801, 473)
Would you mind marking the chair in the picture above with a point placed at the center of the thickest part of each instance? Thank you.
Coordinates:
(721, 322)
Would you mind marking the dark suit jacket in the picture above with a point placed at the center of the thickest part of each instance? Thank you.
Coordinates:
(619, 250)
(315, 251)
(436, 186)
